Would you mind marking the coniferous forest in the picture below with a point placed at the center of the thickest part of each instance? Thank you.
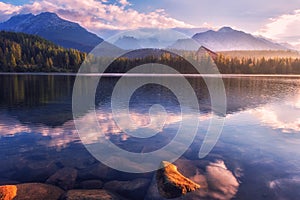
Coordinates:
(225, 64)
(28, 53)
(245, 65)
(21, 52)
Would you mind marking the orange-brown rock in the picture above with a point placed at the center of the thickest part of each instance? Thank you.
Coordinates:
(8, 192)
(91, 195)
(30, 191)
(171, 183)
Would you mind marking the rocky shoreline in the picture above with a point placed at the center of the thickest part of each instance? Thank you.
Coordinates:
(100, 182)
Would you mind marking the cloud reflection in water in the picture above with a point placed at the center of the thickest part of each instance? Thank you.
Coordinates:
(284, 115)
(66, 133)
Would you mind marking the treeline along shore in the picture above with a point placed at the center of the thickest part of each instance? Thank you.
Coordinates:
(21, 52)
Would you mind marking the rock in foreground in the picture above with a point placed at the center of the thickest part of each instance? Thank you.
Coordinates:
(91, 195)
(8, 192)
(30, 191)
(171, 183)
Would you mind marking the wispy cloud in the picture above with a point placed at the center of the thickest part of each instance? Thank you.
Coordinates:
(96, 15)
(8, 9)
(124, 2)
(283, 28)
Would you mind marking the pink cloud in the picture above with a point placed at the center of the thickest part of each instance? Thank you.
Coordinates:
(7, 10)
(283, 28)
(95, 15)
(124, 2)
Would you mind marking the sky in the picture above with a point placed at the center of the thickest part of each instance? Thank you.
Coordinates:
(274, 19)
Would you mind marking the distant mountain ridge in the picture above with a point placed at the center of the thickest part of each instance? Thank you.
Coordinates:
(127, 42)
(148, 38)
(52, 27)
(226, 39)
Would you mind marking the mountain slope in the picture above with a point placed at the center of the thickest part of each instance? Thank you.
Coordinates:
(226, 39)
(51, 27)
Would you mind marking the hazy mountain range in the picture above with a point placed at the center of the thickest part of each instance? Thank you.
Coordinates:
(226, 39)
(72, 35)
(128, 42)
(147, 38)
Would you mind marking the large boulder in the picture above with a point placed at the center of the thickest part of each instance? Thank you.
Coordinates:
(91, 195)
(64, 178)
(171, 183)
(216, 181)
(135, 189)
(30, 191)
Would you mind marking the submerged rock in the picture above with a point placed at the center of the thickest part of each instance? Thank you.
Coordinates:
(91, 184)
(64, 178)
(34, 171)
(171, 183)
(91, 195)
(30, 191)
(97, 171)
(134, 189)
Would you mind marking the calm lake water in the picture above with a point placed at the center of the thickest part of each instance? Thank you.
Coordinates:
(257, 155)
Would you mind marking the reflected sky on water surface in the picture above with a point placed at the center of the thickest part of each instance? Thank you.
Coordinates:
(260, 142)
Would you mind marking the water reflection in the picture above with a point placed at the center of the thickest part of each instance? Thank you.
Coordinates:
(284, 115)
(37, 99)
(37, 132)
(59, 136)
(66, 133)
